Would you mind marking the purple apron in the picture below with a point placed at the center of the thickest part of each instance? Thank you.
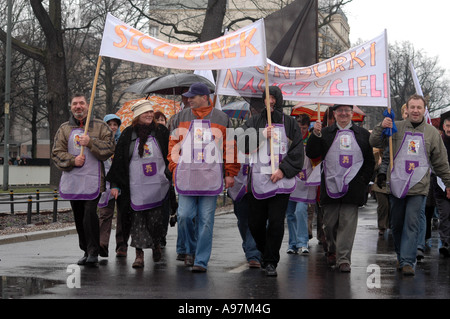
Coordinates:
(105, 197)
(239, 188)
(315, 177)
(148, 183)
(410, 164)
(80, 183)
(303, 192)
(342, 162)
(199, 169)
(261, 171)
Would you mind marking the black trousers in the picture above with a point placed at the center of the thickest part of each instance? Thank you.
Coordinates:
(87, 225)
(123, 224)
(266, 223)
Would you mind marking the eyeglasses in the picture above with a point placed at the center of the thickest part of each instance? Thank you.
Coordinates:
(344, 111)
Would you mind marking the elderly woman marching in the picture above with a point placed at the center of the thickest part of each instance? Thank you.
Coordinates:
(139, 179)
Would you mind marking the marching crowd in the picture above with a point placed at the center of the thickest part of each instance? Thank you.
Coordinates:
(275, 168)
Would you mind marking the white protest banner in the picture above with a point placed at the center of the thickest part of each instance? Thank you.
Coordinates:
(356, 77)
(244, 47)
(419, 89)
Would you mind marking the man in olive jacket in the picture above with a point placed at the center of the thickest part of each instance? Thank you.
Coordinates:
(341, 208)
(83, 177)
(417, 146)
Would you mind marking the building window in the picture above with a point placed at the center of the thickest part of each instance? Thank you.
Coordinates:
(154, 31)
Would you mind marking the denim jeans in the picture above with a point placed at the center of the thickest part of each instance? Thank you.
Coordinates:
(181, 241)
(241, 210)
(405, 223)
(297, 221)
(202, 209)
(422, 229)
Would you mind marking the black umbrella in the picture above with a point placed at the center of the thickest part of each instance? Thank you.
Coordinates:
(172, 84)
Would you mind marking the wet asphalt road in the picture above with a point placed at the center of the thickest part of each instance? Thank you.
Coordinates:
(50, 263)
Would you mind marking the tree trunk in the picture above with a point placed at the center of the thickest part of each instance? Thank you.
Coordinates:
(212, 26)
(54, 62)
(57, 101)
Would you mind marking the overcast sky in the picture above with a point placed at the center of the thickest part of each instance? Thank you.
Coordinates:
(425, 24)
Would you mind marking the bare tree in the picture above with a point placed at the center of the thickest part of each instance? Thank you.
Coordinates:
(69, 50)
(52, 57)
(431, 76)
(329, 8)
(83, 46)
(28, 109)
(179, 20)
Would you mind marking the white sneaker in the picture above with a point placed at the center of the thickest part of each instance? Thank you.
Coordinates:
(291, 251)
(305, 250)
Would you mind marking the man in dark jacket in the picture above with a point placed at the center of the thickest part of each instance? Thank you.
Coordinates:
(442, 202)
(270, 190)
(348, 165)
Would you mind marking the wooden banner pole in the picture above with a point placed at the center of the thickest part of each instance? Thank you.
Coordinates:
(91, 101)
(388, 76)
(269, 116)
(318, 112)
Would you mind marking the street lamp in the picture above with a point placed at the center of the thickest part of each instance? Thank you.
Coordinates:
(7, 99)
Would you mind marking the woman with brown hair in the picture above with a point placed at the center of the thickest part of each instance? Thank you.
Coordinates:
(160, 118)
(140, 181)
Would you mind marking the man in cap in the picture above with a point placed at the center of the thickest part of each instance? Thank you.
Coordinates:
(416, 145)
(198, 148)
(348, 165)
(83, 176)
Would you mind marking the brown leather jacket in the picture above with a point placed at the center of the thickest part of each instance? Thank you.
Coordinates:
(101, 145)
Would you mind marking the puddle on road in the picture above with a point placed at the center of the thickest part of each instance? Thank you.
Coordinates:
(19, 287)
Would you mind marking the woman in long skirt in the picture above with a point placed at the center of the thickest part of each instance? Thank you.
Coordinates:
(140, 181)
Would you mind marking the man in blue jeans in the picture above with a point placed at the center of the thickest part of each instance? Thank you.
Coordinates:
(417, 146)
(252, 254)
(301, 197)
(198, 158)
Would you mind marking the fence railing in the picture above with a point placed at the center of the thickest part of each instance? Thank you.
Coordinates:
(12, 198)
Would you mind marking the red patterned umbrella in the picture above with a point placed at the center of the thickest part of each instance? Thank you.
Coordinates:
(168, 107)
(311, 110)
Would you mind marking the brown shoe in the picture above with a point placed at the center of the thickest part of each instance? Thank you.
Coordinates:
(181, 257)
(121, 252)
(139, 261)
(157, 254)
(254, 264)
(331, 259)
(198, 269)
(189, 260)
(408, 270)
(345, 267)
